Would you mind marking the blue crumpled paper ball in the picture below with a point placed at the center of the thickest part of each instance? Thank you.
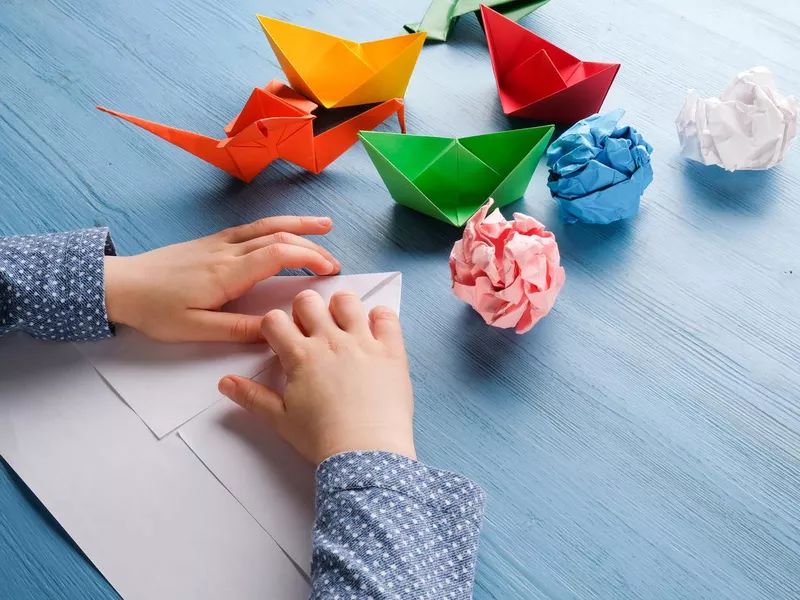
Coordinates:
(598, 171)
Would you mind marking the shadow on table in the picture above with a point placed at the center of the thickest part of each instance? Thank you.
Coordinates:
(278, 177)
(522, 123)
(491, 355)
(279, 189)
(486, 348)
(220, 190)
(719, 190)
(595, 246)
(414, 231)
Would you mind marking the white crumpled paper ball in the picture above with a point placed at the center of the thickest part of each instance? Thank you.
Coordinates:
(749, 127)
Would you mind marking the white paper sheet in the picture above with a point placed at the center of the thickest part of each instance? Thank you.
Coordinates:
(168, 384)
(147, 513)
(264, 473)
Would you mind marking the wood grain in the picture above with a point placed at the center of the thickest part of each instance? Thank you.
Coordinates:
(642, 442)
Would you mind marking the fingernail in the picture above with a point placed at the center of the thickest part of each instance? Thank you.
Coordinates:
(227, 387)
(324, 221)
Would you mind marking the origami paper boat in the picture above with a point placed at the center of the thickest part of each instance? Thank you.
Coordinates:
(442, 15)
(449, 179)
(276, 122)
(538, 80)
(336, 72)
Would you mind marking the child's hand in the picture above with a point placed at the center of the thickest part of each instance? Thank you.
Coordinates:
(175, 293)
(347, 386)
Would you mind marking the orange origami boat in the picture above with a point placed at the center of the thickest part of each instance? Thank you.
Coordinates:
(337, 72)
(276, 122)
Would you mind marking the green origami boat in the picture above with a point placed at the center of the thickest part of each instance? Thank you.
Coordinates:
(449, 179)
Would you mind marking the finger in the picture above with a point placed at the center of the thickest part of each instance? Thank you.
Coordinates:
(283, 336)
(283, 237)
(349, 313)
(311, 314)
(212, 326)
(385, 326)
(270, 225)
(255, 398)
(270, 260)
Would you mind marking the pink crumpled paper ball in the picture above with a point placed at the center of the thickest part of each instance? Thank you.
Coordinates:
(508, 271)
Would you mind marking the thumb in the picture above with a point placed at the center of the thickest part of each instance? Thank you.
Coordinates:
(255, 398)
(213, 326)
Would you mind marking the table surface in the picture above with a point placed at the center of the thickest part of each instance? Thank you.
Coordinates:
(641, 442)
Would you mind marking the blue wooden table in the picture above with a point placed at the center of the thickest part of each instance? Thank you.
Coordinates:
(642, 442)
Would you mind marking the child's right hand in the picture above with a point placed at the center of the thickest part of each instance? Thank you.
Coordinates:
(348, 386)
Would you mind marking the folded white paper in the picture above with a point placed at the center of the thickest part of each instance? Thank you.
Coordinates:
(273, 483)
(750, 125)
(147, 513)
(265, 474)
(168, 384)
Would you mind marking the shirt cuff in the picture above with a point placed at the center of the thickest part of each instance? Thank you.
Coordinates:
(83, 287)
(56, 284)
(438, 489)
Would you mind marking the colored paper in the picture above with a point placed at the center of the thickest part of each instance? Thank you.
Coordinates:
(749, 127)
(336, 72)
(168, 384)
(598, 171)
(273, 483)
(147, 513)
(448, 178)
(276, 122)
(442, 15)
(508, 271)
(538, 80)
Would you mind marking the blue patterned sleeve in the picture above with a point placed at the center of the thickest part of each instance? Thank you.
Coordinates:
(52, 286)
(390, 527)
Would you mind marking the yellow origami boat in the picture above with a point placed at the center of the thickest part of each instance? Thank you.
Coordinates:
(336, 72)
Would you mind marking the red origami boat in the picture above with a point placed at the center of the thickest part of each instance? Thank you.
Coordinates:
(538, 80)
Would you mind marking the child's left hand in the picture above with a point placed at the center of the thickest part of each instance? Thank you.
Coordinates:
(175, 293)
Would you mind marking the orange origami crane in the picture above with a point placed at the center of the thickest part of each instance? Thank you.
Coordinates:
(538, 80)
(336, 72)
(275, 123)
